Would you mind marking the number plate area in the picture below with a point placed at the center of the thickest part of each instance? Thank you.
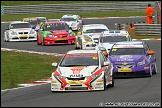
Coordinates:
(73, 82)
(124, 70)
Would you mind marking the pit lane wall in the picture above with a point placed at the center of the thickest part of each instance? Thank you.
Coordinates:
(78, 7)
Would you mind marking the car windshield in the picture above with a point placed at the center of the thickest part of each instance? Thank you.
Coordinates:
(68, 19)
(57, 26)
(42, 20)
(94, 30)
(33, 22)
(127, 51)
(83, 59)
(20, 25)
(113, 39)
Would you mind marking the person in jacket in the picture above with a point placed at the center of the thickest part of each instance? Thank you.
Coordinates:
(149, 14)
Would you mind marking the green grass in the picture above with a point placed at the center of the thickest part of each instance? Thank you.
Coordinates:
(82, 14)
(20, 67)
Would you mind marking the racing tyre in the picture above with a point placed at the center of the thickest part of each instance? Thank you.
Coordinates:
(104, 84)
(6, 40)
(112, 85)
(150, 74)
(155, 69)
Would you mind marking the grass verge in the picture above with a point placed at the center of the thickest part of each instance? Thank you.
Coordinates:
(21, 67)
(9, 17)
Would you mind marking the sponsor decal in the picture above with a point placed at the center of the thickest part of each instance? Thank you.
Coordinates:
(76, 70)
(76, 75)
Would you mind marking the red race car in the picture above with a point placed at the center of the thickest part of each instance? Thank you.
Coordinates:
(55, 32)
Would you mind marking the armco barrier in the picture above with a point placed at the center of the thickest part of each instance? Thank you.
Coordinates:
(147, 29)
(81, 7)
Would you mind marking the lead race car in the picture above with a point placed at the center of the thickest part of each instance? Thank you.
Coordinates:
(82, 70)
(20, 31)
(55, 32)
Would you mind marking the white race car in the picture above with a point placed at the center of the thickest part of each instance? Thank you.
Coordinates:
(84, 42)
(93, 30)
(82, 70)
(109, 38)
(20, 31)
(73, 21)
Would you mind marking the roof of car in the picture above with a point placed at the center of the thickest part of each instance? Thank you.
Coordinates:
(94, 26)
(52, 22)
(130, 42)
(115, 33)
(69, 15)
(15, 22)
(82, 51)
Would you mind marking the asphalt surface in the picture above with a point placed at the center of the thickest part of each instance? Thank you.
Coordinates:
(136, 91)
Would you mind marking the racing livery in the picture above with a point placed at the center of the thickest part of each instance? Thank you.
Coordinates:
(20, 31)
(93, 30)
(56, 32)
(109, 38)
(132, 59)
(82, 70)
(73, 21)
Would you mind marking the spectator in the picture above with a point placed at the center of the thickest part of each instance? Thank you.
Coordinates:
(149, 14)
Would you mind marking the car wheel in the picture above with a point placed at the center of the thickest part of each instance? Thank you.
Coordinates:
(155, 69)
(105, 83)
(6, 40)
(150, 74)
(112, 85)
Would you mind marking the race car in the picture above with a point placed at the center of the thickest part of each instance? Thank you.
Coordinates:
(132, 59)
(73, 21)
(20, 31)
(93, 30)
(82, 70)
(109, 38)
(84, 42)
(35, 21)
(56, 32)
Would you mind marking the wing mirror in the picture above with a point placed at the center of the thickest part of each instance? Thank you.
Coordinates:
(7, 28)
(150, 52)
(54, 64)
(105, 53)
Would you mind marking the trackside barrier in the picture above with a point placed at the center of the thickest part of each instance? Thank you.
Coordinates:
(77, 7)
(147, 29)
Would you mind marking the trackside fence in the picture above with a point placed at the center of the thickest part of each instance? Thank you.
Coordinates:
(81, 7)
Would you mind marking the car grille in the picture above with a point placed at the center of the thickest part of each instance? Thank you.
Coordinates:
(76, 88)
(61, 41)
(121, 65)
(23, 32)
(81, 78)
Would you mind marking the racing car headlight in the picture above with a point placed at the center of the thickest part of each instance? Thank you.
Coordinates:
(141, 63)
(73, 24)
(13, 33)
(32, 32)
